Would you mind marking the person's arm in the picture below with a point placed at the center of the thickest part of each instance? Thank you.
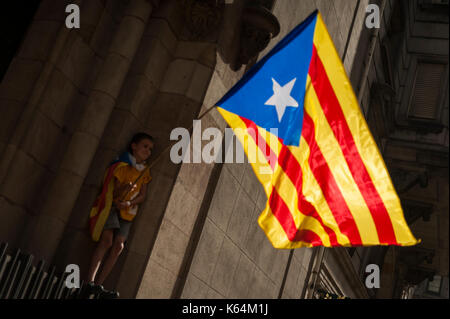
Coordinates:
(141, 197)
(120, 189)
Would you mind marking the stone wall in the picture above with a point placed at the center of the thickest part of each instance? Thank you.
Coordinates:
(234, 259)
(78, 96)
(163, 89)
(72, 99)
(65, 65)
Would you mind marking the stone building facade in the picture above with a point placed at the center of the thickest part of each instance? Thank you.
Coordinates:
(72, 98)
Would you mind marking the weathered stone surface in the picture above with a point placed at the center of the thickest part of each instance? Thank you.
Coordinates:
(301, 282)
(43, 129)
(147, 222)
(160, 29)
(125, 40)
(39, 40)
(178, 77)
(73, 161)
(65, 188)
(182, 208)
(77, 61)
(45, 236)
(80, 214)
(170, 246)
(241, 279)
(258, 285)
(225, 267)
(57, 100)
(11, 110)
(224, 199)
(255, 238)
(24, 180)
(130, 275)
(103, 34)
(151, 60)
(112, 74)
(240, 219)
(20, 79)
(172, 12)
(12, 221)
(195, 178)
(213, 294)
(194, 288)
(199, 82)
(291, 289)
(140, 10)
(91, 12)
(207, 252)
(202, 52)
(157, 282)
(102, 158)
(251, 184)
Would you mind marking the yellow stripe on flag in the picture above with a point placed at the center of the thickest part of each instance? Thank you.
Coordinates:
(255, 158)
(282, 184)
(288, 193)
(364, 141)
(313, 192)
(275, 233)
(335, 159)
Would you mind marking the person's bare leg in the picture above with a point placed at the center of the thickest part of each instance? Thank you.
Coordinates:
(105, 243)
(115, 251)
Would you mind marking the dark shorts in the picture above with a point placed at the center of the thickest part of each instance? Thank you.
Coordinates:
(121, 227)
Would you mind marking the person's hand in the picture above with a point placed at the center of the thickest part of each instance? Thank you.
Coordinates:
(124, 189)
(123, 204)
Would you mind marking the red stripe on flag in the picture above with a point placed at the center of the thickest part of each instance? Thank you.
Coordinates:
(292, 168)
(283, 215)
(330, 190)
(100, 201)
(262, 145)
(338, 124)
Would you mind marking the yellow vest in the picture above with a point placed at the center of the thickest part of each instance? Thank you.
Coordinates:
(128, 174)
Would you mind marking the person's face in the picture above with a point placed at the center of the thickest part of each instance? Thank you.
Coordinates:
(142, 150)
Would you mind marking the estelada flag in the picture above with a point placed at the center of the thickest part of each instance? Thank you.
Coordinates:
(102, 206)
(299, 122)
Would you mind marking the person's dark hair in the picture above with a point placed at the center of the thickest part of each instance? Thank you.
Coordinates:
(137, 138)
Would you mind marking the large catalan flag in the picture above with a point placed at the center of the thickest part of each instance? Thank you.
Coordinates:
(298, 119)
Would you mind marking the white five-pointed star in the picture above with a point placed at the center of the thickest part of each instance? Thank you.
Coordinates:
(282, 98)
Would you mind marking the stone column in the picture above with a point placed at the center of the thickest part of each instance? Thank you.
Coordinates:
(22, 92)
(45, 230)
(8, 151)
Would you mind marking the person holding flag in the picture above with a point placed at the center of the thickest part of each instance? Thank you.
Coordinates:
(124, 188)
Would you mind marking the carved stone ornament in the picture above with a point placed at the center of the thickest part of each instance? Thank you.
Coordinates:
(202, 16)
(416, 210)
(405, 180)
(416, 275)
(413, 256)
(259, 26)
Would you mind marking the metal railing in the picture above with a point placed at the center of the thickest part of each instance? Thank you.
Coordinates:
(21, 279)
